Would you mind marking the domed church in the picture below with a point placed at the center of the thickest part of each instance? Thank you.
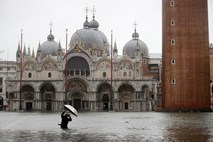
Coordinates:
(90, 75)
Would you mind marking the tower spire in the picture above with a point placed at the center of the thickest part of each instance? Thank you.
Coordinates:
(86, 10)
(93, 12)
(51, 24)
(86, 23)
(50, 37)
(135, 24)
(135, 35)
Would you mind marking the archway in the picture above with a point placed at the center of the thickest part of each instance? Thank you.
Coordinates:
(104, 97)
(77, 100)
(28, 96)
(76, 89)
(47, 92)
(1, 103)
(125, 96)
(105, 102)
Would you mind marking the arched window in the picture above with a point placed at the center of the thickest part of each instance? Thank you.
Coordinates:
(172, 22)
(172, 3)
(104, 74)
(49, 75)
(125, 74)
(173, 81)
(172, 61)
(172, 41)
(29, 75)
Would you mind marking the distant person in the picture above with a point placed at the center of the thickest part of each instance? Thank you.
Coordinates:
(65, 118)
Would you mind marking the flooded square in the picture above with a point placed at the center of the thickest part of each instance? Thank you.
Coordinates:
(107, 126)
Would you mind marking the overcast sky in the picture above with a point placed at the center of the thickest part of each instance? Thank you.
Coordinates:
(34, 17)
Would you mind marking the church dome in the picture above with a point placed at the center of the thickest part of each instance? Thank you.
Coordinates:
(93, 24)
(49, 47)
(90, 37)
(135, 44)
(86, 23)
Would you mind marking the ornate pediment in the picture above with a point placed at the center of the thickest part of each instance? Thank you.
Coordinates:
(103, 65)
(29, 67)
(49, 66)
(124, 65)
(77, 85)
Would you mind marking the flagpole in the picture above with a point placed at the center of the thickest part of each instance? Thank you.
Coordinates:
(66, 68)
(20, 87)
(111, 106)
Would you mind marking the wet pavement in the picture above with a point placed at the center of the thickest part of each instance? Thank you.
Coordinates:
(107, 127)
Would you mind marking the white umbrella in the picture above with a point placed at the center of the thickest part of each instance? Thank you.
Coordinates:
(71, 109)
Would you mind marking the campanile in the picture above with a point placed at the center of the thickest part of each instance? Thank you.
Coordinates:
(185, 56)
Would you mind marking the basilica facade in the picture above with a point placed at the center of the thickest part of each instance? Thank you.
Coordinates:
(90, 75)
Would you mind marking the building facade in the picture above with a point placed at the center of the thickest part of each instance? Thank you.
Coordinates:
(89, 75)
(7, 72)
(185, 68)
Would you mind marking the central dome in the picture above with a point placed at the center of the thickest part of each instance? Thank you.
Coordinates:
(90, 37)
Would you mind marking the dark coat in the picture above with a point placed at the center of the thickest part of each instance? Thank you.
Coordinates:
(65, 118)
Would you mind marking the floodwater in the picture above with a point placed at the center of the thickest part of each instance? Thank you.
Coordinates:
(107, 127)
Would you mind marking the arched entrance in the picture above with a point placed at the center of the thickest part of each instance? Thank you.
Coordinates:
(28, 96)
(76, 89)
(77, 100)
(126, 94)
(47, 92)
(1, 103)
(104, 97)
(105, 102)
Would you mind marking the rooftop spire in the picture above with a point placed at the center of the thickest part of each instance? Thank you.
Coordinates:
(86, 10)
(51, 24)
(50, 37)
(93, 12)
(135, 24)
(135, 35)
(86, 23)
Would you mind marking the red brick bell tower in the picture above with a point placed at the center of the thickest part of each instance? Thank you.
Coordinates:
(185, 71)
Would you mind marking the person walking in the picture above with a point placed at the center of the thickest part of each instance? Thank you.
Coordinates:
(65, 118)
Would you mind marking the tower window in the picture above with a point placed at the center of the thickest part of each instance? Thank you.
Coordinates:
(172, 42)
(173, 81)
(49, 74)
(172, 3)
(29, 75)
(104, 74)
(173, 61)
(172, 22)
(125, 74)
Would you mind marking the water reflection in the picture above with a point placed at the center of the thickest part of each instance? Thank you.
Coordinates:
(187, 127)
(105, 127)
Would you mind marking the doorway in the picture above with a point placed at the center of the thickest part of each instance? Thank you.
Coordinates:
(29, 106)
(106, 106)
(49, 106)
(77, 104)
(126, 105)
(1, 103)
(105, 100)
